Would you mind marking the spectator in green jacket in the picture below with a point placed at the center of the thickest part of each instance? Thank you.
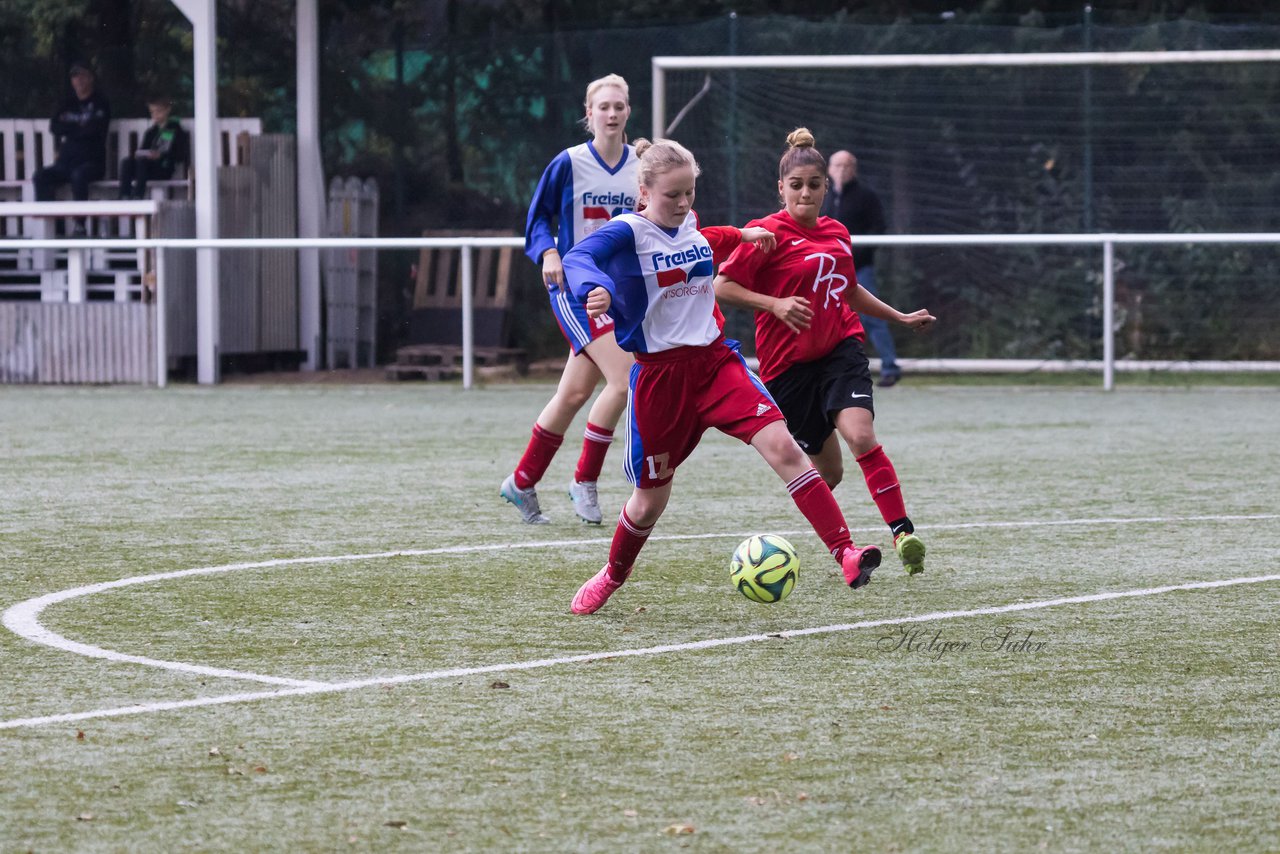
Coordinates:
(163, 147)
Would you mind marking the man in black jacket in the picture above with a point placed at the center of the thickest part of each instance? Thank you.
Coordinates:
(859, 209)
(81, 126)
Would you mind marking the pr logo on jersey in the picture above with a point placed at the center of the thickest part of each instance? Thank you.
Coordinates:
(677, 275)
(828, 276)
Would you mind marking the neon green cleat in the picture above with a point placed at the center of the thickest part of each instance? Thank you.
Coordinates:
(910, 549)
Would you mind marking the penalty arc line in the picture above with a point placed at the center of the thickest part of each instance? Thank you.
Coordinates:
(23, 619)
(712, 643)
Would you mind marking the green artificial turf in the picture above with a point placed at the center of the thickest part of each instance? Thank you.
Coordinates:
(1139, 723)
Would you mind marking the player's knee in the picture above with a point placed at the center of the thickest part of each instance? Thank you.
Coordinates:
(575, 398)
(786, 452)
(647, 518)
(862, 441)
(644, 513)
(833, 478)
(617, 391)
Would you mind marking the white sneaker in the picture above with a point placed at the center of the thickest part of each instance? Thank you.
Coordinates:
(586, 501)
(525, 500)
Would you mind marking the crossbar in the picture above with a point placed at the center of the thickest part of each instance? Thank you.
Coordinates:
(660, 64)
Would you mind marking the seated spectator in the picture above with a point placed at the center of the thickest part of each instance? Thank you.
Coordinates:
(163, 147)
(81, 128)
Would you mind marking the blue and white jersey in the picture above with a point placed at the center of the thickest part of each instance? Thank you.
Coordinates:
(660, 280)
(578, 193)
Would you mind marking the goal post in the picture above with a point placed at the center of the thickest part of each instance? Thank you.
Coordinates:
(1012, 151)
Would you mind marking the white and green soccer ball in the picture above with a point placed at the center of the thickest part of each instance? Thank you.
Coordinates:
(764, 568)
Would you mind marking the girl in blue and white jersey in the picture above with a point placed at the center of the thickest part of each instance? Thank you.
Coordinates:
(653, 272)
(582, 189)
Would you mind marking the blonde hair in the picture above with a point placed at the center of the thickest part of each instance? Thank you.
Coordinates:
(800, 152)
(660, 156)
(595, 86)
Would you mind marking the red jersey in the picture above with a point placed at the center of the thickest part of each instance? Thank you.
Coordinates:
(814, 263)
(722, 239)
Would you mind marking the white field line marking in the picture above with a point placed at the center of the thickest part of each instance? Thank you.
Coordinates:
(457, 672)
(23, 619)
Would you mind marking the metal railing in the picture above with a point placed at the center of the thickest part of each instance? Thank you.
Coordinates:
(466, 245)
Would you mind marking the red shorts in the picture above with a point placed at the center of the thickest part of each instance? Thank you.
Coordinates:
(677, 395)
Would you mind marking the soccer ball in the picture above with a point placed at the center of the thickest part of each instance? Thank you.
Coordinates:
(764, 568)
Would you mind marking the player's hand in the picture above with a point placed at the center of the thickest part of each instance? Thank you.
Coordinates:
(920, 321)
(552, 270)
(598, 302)
(794, 312)
(762, 237)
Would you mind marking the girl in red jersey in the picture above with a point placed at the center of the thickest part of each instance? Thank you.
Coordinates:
(652, 273)
(808, 337)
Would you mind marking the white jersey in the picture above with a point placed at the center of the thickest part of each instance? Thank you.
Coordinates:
(578, 193)
(660, 281)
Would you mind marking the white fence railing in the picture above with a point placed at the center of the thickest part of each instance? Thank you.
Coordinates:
(1107, 242)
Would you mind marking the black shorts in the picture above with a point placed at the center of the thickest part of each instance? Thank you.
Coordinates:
(810, 394)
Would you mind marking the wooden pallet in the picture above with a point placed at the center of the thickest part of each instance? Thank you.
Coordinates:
(449, 354)
(430, 373)
(444, 361)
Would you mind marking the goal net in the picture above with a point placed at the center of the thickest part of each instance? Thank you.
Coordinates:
(954, 145)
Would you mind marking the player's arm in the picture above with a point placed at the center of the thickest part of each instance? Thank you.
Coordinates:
(737, 285)
(760, 237)
(723, 239)
(863, 301)
(544, 209)
(794, 312)
(586, 262)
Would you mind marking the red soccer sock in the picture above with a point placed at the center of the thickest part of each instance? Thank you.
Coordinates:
(537, 456)
(628, 540)
(812, 495)
(882, 483)
(595, 444)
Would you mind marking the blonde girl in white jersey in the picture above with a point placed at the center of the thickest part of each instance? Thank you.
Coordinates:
(583, 187)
